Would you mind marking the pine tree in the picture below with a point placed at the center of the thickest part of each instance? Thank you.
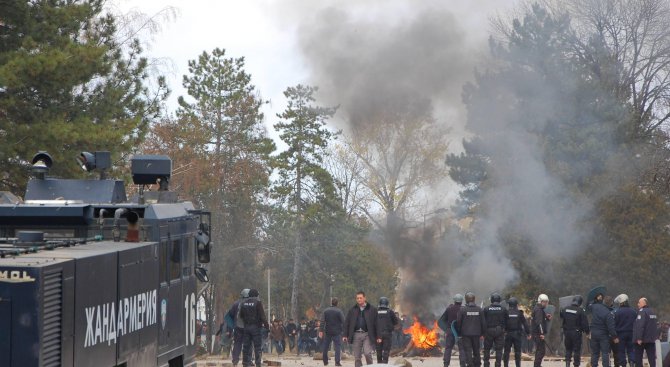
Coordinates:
(302, 178)
(67, 84)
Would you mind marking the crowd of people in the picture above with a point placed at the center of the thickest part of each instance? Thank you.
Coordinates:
(613, 326)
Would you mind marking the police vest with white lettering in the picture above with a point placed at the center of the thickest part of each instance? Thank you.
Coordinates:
(249, 312)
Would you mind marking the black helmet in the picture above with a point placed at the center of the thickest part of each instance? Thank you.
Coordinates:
(383, 302)
(495, 297)
(513, 302)
(469, 297)
(577, 300)
(253, 293)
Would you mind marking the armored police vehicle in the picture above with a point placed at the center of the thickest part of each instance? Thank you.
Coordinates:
(90, 278)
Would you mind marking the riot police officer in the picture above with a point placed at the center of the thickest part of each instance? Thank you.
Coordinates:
(447, 319)
(495, 316)
(539, 328)
(238, 326)
(574, 324)
(386, 322)
(516, 327)
(470, 324)
(253, 315)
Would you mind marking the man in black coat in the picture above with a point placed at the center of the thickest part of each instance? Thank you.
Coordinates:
(624, 318)
(645, 333)
(602, 331)
(471, 325)
(332, 326)
(360, 328)
(291, 332)
(448, 317)
(575, 323)
(539, 328)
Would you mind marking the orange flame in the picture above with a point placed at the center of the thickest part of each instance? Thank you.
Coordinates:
(422, 337)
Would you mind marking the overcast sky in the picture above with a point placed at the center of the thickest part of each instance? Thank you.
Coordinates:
(243, 28)
(264, 33)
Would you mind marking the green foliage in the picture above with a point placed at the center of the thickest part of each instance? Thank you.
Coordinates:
(67, 85)
(304, 130)
(545, 106)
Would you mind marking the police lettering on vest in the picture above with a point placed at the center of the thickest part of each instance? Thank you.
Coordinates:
(249, 312)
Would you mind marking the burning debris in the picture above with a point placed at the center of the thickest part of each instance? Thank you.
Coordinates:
(424, 342)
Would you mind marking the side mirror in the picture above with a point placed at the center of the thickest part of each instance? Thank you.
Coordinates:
(203, 245)
(204, 252)
(201, 274)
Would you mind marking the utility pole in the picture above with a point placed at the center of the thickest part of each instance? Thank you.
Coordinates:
(332, 279)
(269, 307)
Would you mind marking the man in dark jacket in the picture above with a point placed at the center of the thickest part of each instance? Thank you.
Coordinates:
(645, 333)
(470, 325)
(291, 332)
(624, 318)
(304, 343)
(386, 323)
(575, 323)
(238, 328)
(448, 317)
(332, 326)
(277, 336)
(253, 315)
(516, 327)
(602, 331)
(496, 320)
(360, 328)
(539, 328)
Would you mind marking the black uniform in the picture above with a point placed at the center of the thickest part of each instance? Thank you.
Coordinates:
(496, 320)
(539, 329)
(449, 316)
(253, 315)
(575, 324)
(470, 324)
(386, 322)
(645, 330)
(238, 332)
(516, 327)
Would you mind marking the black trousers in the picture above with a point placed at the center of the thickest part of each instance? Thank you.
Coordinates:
(471, 349)
(650, 348)
(540, 350)
(513, 338)
(600, 344)
(449, 345)
(573, 346)
(383, 349)
(252, 334)
(337, 342)
(238, 335)
(494, 337)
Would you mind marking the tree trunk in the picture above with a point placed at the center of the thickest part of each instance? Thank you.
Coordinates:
(298, 245)
(296, 271)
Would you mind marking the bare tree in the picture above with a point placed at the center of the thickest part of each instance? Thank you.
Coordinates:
(347, 169)
(402, 151)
